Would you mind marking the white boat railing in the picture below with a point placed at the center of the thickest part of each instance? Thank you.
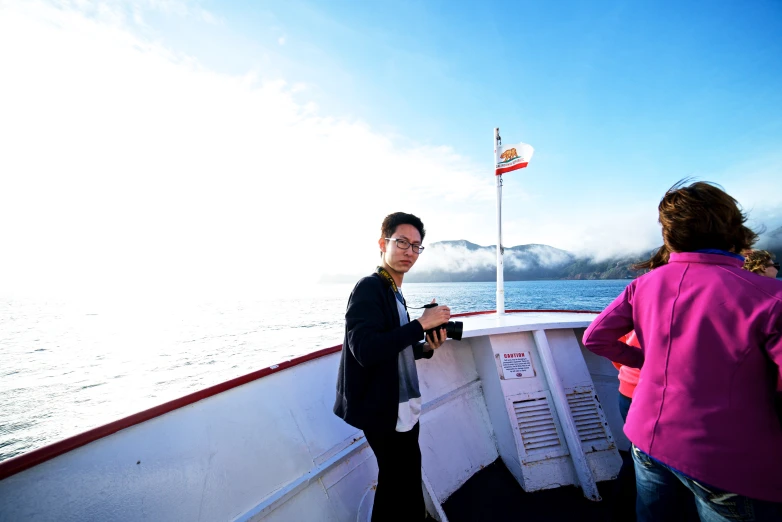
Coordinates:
(266, 446)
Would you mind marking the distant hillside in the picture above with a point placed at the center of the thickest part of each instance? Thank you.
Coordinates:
(465, 261)
(772, 241)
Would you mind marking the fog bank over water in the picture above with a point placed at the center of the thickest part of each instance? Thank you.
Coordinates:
(463, 261)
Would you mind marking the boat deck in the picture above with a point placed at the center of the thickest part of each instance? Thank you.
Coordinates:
(493, 495)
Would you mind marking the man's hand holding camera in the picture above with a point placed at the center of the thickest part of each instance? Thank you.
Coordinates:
(433, 318)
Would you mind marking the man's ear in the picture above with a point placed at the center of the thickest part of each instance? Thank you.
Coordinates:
(382, 244)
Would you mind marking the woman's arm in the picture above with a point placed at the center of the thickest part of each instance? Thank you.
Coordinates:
(602, 336)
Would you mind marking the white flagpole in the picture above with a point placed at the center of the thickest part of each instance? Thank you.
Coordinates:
(500, 280)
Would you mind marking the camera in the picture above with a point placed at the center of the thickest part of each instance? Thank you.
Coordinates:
(453, 329)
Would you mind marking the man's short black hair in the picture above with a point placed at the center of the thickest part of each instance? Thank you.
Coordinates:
(401, 218)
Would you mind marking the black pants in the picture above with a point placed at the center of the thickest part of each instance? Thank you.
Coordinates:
(399, 495)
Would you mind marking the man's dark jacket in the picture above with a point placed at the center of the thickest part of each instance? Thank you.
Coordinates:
(368, 381)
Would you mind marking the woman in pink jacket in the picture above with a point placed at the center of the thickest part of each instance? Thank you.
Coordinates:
(702, 422)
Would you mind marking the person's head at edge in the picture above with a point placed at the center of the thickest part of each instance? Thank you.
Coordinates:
(401, 236)
(760, 262)
(699, 216)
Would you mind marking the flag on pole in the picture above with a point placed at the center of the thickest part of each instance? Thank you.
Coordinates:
(513, 157)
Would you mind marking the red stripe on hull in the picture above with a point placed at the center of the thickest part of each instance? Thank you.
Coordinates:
(33, 458)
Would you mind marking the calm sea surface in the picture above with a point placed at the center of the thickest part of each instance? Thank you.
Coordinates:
(66, 368)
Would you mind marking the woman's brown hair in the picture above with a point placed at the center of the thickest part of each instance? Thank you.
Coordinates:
(700, 216)
(659, 258)
(757, 260)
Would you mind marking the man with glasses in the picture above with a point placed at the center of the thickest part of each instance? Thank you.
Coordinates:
(377, 386)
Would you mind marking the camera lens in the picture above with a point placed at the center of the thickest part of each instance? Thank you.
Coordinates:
(454, 330)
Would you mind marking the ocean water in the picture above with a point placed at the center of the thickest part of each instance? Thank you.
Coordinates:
(67, 367)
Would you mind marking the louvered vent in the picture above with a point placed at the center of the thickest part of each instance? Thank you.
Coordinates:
(585, 415)
(536, 424)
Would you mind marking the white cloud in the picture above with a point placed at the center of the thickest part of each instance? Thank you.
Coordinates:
(120, 12)
(455, 259)
(281, 40)
(458, 259)
(129, 167)
(208, 17)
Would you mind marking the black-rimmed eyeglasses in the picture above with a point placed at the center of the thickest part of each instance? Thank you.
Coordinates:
(404, 244)
(775, 265)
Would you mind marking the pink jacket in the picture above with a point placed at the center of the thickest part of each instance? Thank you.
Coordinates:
(709, 332)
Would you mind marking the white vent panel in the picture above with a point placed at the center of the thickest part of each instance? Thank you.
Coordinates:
(536, 425)
(589, 422)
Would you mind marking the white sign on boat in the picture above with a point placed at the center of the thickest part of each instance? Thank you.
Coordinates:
(516, 365)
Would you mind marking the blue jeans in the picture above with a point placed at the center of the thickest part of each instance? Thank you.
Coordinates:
(624, 406)
(661, 488)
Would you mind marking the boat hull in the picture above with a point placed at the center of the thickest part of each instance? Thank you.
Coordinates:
(271, 448)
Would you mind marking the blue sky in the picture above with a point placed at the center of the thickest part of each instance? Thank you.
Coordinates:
(610, 93)
(617, 82)
(229, 102)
